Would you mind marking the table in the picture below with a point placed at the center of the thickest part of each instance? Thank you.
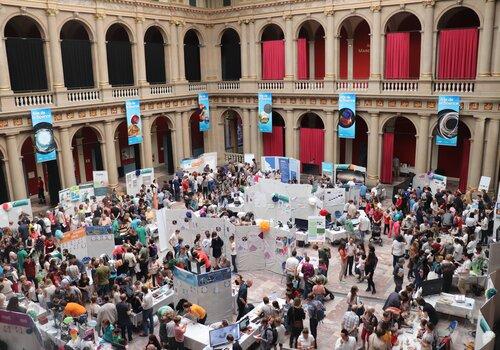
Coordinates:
(333, 235)
(301, 236)
(472, 279)
(446, 303)
(165, 298)
(48, 331)
(152, 229)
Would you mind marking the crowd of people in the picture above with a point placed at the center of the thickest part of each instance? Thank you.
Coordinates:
(433, 235)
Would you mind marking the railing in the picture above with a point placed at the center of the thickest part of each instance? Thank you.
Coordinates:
(197, 87)
(83, 95)
(233, 157)
(399, 85)
(271, 85)
(228, 85)
(161, 89)
(34, 99)
(125, 92)
(453, 86)
(352, 85)
(309, 85)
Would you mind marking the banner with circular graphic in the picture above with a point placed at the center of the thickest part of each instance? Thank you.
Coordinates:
(447, 125)
(204, 111)
(134, 123)
(265, 112)
(347, 116)
(45, 143)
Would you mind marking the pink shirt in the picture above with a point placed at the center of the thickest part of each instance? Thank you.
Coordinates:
(396, 227)
(179, 333)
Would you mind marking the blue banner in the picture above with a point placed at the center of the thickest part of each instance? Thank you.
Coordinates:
(265, 112)
(294, 169)
(134, 123)
(347, 116)
(447, 125)
(284, 169)
(327, 168)
(97, 230)
(214, 276)
(186, 276)
(204, 111)
(45, 143)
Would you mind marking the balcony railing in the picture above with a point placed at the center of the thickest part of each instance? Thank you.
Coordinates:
(399, 86)
(197, 87)
(125, 92)
(161, 89)
(83, 95)
(309, 85)
(352, 85)
(233, 157)
(271, 85)
(228, 85)
(460, 86)
(34, 99)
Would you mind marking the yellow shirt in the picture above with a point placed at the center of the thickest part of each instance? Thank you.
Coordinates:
(198, 311)
(74, 309)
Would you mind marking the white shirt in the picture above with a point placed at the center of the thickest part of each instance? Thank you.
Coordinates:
(364, 223)
(291, 265)
(233, 248)
(398, 248)
(470, 222)
(306, 343)
(350, 344)
(147, 301)
(174, 239)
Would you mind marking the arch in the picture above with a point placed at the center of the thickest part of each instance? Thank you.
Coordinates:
(355, 151)
(311, 50)
(273, 144)
(158, 27)
(119, 55)
(197, 138)
(128, 156)
(233, 131)
(87, 155)
(402, 20)
(311, 119)
(312, 141)
(161, 138)
(345, 19)
(25, 54)
(196, 31)
(192, 55)
(225, 29)
(271, 31)
(119, 31)
(154, 53)
(311, 25)
(76, 51)
(354, 34)
(230, 55)
(272, 52)
(458, 16)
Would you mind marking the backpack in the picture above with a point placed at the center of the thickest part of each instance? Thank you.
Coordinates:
(319, 312)
(274, 341)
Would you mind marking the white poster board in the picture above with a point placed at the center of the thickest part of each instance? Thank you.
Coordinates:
(316, 226)
(249, 157)
(198, 164)
(250, 248)
(135, 179)
(11, 211)
(101, 183)
(170, 220)
(484, 183)
(65, 201)
(278, 245)
(75, 242)
(19, 331)
(434, 181)
(90, 241)
(334, 199)
(86, 191)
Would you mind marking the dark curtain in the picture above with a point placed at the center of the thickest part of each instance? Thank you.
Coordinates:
(53, 181)
(77, 64)
(4, 193)
(155, 63)
(192, 62)
(26, 64)
(231, 61)
(120, 68)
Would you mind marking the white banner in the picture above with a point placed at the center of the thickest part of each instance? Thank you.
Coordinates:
(484, 183)
(10, 212)
(135, 179)
(198, 164)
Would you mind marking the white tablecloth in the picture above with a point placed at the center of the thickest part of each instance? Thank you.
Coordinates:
(446, 304)
(165, 299)
(302, 236)
(333, 235)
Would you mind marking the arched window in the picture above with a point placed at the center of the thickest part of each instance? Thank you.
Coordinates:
(154, 50)
(230, 55)
(119, 54)
(273, 53)
(311, 51)
(354, 53)
(192, 56)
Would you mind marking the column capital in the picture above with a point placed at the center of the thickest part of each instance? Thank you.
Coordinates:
(140, 19)
(287, 16)
(374, 115)
(428, 3)
(100, 15)
(329, 12)
(52, 12)
(480, 118)
(376, 8)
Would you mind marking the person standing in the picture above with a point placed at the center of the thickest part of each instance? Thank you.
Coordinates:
(124, 321)
(103, 274)
(370, 265)
(343, 261)
(296, 316)
(398, 274)
(316, 311)
(147, 312)
(233, 254)
(398, 249)
(179, 330)
(351, 252)
(41, 191)
(242, 298)
(308, 272)
(216, 244)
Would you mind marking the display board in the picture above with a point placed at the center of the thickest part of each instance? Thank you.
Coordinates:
(347, 172)
(135, 179)
(75, 242)
(198, 164)
(316, 226)
(18, 331)
(10, 212)
(89, 241)
(484, 183)
(289, 167)
(434, 181)
(334, 199)
(101, 183)
(278, 245)
(86, 192)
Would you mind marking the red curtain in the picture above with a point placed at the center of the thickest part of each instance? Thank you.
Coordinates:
(397, 55)
(414, 55)
(302, 59)
(361, 52)
(312, 146)
(273, 60)
(273, 142)
(457, 53)
(464, 165)
(319, 59)
(388, 150)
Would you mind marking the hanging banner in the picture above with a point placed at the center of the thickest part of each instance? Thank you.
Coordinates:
(294, 169)
(45, 143)
(134, 124)
(347, 116)
(204, 111)
(101, 182)
(265, 112)
(284, 169)
(447, 125)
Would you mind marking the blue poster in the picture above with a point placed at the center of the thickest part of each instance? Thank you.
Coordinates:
(447, 125)
(294, 169)
(284, 169)
(347, 116)
(271, 163)
(45, 143)
(204, 111)
(327, 168)
(134, 124)
(265, 112)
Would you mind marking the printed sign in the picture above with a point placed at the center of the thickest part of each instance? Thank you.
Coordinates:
(284, 169)
(134, 124)
(248, 158)
(135, 179)
(484, 183)
(447, 125)
(347, 116)
(45, 144)
(204, 111)
(316, 226)
(198, 164)
(327, 168)
(101, 182)
(265, 112)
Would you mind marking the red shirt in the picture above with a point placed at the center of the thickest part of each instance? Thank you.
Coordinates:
(377, 215)
(203, 257)
(343, 255)
(30, 268)
(49, 246)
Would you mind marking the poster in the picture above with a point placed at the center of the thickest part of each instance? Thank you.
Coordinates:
(327, 168)
(101, 183)
(265, 112)
(294, 169)
(284, 169)
(289, 166)
(45, 144)
(100, 240)
(347, 172)
(75, 242)
(484, 183)
(18, 331)
(10, 212)
(447, 125)
(74, 193)
(135, 179)
(65, 200)
(248, 158)
(347, 116)
(316, 226)
(198, 164)
(204, 111)
(134, 124)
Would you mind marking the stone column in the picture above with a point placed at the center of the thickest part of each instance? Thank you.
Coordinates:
(476, 152)
(289, 134)
(244, 50)
(335, 138)
(421, 165)
(186, 139)
(146, 142)
(4, 69)
(16, 168)
(329, 132)
(427, 38)
(490, 153)
(246, 131)
(111, 166)
(256, 135)
(496, 51)
(486, 40)
(350, 58)
(55, 51)
(375, 48)
(102, 60)
(178, 135)
(141, 56)
(180, 53)
(329, 43)
(81, 160)
(67, 158)
(373, 146)
(173, 58)
(253, 50)
(289, 40)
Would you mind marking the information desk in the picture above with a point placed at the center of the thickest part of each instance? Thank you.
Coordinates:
(165, 297)
(446, 303)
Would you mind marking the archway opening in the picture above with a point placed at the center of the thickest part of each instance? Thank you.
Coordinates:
(4, 187)
(76, 51)
(311, 51)
(233, 132)
(192, 56)
(312, 142)
(154, 51)
(354, 53)
(87, 155)
(458, 36)
(48, 171)
(197, 138)
(128, 156)
(274, 143)
(273, 53)
(230, 55)
(399, 145)
(402, 46)
(25, 55)
(355, 151)
(119, 55)
(161, 136)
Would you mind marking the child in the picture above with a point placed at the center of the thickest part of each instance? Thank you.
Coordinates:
(360, 268)
(280, 329)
